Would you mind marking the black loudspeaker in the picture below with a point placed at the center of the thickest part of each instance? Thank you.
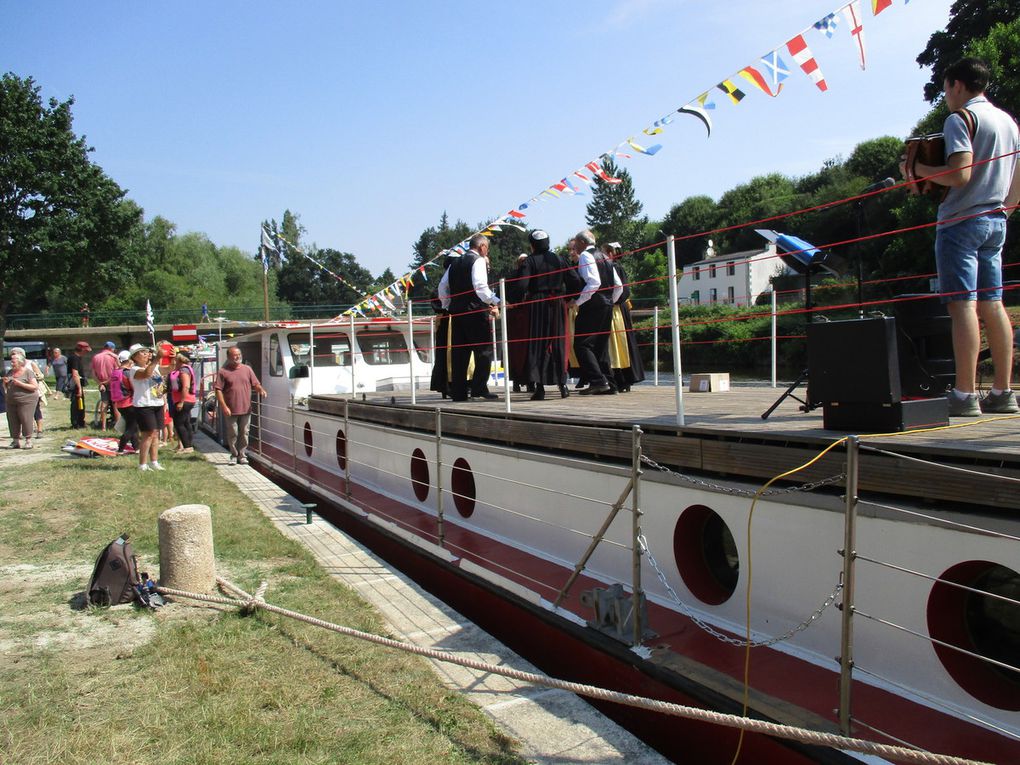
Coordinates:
(853, 361)
(925, 346)
(854, 373)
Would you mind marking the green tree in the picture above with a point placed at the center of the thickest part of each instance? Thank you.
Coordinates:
(688, 222)
(62, 220)
(761, 197)
(969, 21)
(303, 282)
(612, 213)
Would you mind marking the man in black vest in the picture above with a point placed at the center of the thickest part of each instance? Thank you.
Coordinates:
(464, 292)
(602, 287)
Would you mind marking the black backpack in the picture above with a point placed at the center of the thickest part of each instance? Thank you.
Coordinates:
(114, 576)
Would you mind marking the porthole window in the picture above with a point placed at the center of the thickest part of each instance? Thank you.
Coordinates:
(420, 475)
(706, 554)
(308, 439)
(341, 450)
(986, 625)
(462, 484)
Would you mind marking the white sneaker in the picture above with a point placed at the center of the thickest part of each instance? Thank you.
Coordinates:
(144, 468)
(232, 461)
(156, 466)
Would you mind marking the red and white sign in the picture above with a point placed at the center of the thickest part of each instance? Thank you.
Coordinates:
(184, 333)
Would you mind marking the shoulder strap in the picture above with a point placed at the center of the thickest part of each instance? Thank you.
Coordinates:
(970, 121)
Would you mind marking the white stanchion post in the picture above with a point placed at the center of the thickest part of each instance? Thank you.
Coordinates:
(311, 358)
(775, 337)
(674, 309)
(655, 347)
(354, 388)
(506, 343)
(432, 340)
(412, 351)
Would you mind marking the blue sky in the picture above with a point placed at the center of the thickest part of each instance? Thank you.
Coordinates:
(369, 120)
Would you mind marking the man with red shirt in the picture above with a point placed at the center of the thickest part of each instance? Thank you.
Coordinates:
(103, 364)
(234, 384)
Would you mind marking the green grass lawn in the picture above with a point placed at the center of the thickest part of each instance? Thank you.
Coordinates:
(193, 684)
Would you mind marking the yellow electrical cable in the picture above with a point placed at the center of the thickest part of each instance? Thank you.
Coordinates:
(750, 516)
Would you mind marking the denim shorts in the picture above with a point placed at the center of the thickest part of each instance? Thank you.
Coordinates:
(968, 256)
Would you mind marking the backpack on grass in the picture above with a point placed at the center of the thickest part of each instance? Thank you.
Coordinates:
(114, 576)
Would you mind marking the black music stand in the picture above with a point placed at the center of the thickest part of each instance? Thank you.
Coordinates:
(807, 260)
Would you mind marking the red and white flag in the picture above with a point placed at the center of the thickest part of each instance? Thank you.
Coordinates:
(852, 12)
(802, 55)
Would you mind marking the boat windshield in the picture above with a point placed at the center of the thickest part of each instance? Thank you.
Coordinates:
(383, 347)
(332, 349)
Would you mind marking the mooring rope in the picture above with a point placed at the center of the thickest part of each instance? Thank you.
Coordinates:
(247, 601)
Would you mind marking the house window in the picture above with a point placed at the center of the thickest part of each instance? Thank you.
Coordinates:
(696, 272)
(730, 298)
(713, 295)
(711, 271)
(731, 268)
(696, 297)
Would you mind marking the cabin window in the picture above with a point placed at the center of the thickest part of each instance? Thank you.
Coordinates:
(420, 475)
(275, 356)
(383, 347)
(332, 349)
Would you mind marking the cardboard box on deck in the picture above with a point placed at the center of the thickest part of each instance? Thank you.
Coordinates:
(712, 382)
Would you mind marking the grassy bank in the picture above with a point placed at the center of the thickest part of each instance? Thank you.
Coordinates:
(191, 684)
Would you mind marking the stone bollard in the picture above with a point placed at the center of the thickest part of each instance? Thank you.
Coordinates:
(186, 559)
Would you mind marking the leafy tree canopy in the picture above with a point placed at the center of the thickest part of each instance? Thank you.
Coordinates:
(612, 213)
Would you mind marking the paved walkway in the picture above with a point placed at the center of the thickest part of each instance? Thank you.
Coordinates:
(553, 726)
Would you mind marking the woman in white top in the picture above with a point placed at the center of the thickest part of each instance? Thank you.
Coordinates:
(148, 401)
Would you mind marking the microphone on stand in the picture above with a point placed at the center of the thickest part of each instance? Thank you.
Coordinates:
(879, 185)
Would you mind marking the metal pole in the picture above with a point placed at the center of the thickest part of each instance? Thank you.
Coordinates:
(674, 306)
(439, 476)
(293, 436)
(506, 344)
(635, 505)
(412, 351)
(347, 448)
(311, 358)
(775, 337)
(655, 347)
(849, 552)
(354, 388)
(432, 340)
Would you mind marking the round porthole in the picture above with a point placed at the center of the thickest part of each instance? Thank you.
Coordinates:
(462, 484)
(420, 475)
(706, 555)
(341, 450)
(308, 439)
(986, 625)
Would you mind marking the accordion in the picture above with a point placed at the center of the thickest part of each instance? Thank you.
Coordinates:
(930, 150)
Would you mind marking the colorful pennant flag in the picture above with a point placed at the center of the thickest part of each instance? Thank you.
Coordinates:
(852, 12)
(736, 94)
(757, 79)
(802, 55)
(697, 108)
(827, 26)
(596, 168)
(877, 6)
(650, 150)
(775, 71)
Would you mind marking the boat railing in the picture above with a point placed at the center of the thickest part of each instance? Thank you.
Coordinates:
(366, 456)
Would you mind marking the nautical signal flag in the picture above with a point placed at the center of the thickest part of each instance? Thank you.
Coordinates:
(877, 6)
(698, 108)
(775, 71)
(802, 55)
(852, 12)
(757, 79)
(827, 26)
(736, 94)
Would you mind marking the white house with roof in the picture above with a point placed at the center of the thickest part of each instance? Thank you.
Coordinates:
(736, 278)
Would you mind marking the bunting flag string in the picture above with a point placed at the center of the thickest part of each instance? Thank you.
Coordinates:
(768, 75)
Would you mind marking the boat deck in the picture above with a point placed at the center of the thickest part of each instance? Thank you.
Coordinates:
(723, 435)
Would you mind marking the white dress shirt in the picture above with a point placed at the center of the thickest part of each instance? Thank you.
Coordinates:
(589, 271)
(479, 280)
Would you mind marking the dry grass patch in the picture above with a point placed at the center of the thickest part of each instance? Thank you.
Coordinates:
(193, 684)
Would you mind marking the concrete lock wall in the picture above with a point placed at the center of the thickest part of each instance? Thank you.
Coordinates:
(186, 560)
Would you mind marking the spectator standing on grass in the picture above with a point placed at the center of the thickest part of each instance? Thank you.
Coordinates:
(234, 383)
(149, 402)
(77, 382)
(182, 399)
(59, 366)
(121, 393)
(103, 363)
(22, 394)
